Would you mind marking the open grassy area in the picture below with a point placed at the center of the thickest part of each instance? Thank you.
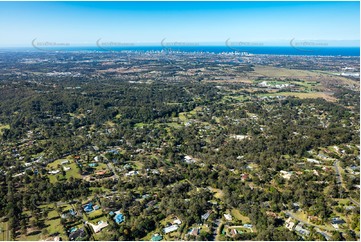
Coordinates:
(94, 214)
(237, 214)
(4, 234)
(56, 165)
(305, 75)
(218, 192)
(303, 95)
(52, 225)
(2, 127)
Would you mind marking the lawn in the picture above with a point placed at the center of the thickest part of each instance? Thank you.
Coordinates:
(92, 215)
(237, 214)
(73, 172)
(218, 192)
(3, 231)
(52, 225)
(4, 126)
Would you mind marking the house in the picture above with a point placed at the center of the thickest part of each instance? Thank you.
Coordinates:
(323, 156)
(233, 232)
(119, 218)
(247, 226)
(131, 173)
(337, 220)
(157, 237)
(66, 168)
(312, 218)
(355, 168)
(88, 207)
(151, 203)
(335, 226)
(244, 177)
(313, 161)
(289, 224)
(286, 174)
(177, 221)
(19, 174)
(170, 229)
(189, 159)
(54, 172)
(206, 215)
(97, 228)
(299, 228)
(228, 217)
(271, 214)
(72, 212)
(327, 169)
(77, 234)
(296, 206)
(100, 173)
(64, 162)
(194, 231)
(350, 208)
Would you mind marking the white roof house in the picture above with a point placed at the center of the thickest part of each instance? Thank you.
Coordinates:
(101, 225)
(289, 224)
(177, 221)
(170, 229)
(131, 173)
(189, 159)
(286, 174)
(228, 217)
(54, 172)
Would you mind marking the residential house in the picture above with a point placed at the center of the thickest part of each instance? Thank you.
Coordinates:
(286, 174)
(157, 237)
(119, 218)
(88, 207)
(177, 221)
(54, 172)
(170, 229)
(228, 217)
(194, 231)
(233, 232)
(97, 228)
(77, 234)
(289, 224)
(247, 226)
(299, 228)
(206, 215)
(189, 159)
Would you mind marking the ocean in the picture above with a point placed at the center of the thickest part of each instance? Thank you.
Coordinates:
(264, 50)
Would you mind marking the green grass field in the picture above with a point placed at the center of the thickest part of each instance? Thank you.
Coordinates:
(73, 172)
(237, 214)
(302, 95)
(2, 127)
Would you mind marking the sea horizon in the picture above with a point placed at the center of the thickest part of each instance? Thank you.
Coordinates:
(250, 50)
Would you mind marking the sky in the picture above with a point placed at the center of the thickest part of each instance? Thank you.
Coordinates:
(188, 23)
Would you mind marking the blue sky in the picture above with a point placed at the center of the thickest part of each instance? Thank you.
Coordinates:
(83, 23)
